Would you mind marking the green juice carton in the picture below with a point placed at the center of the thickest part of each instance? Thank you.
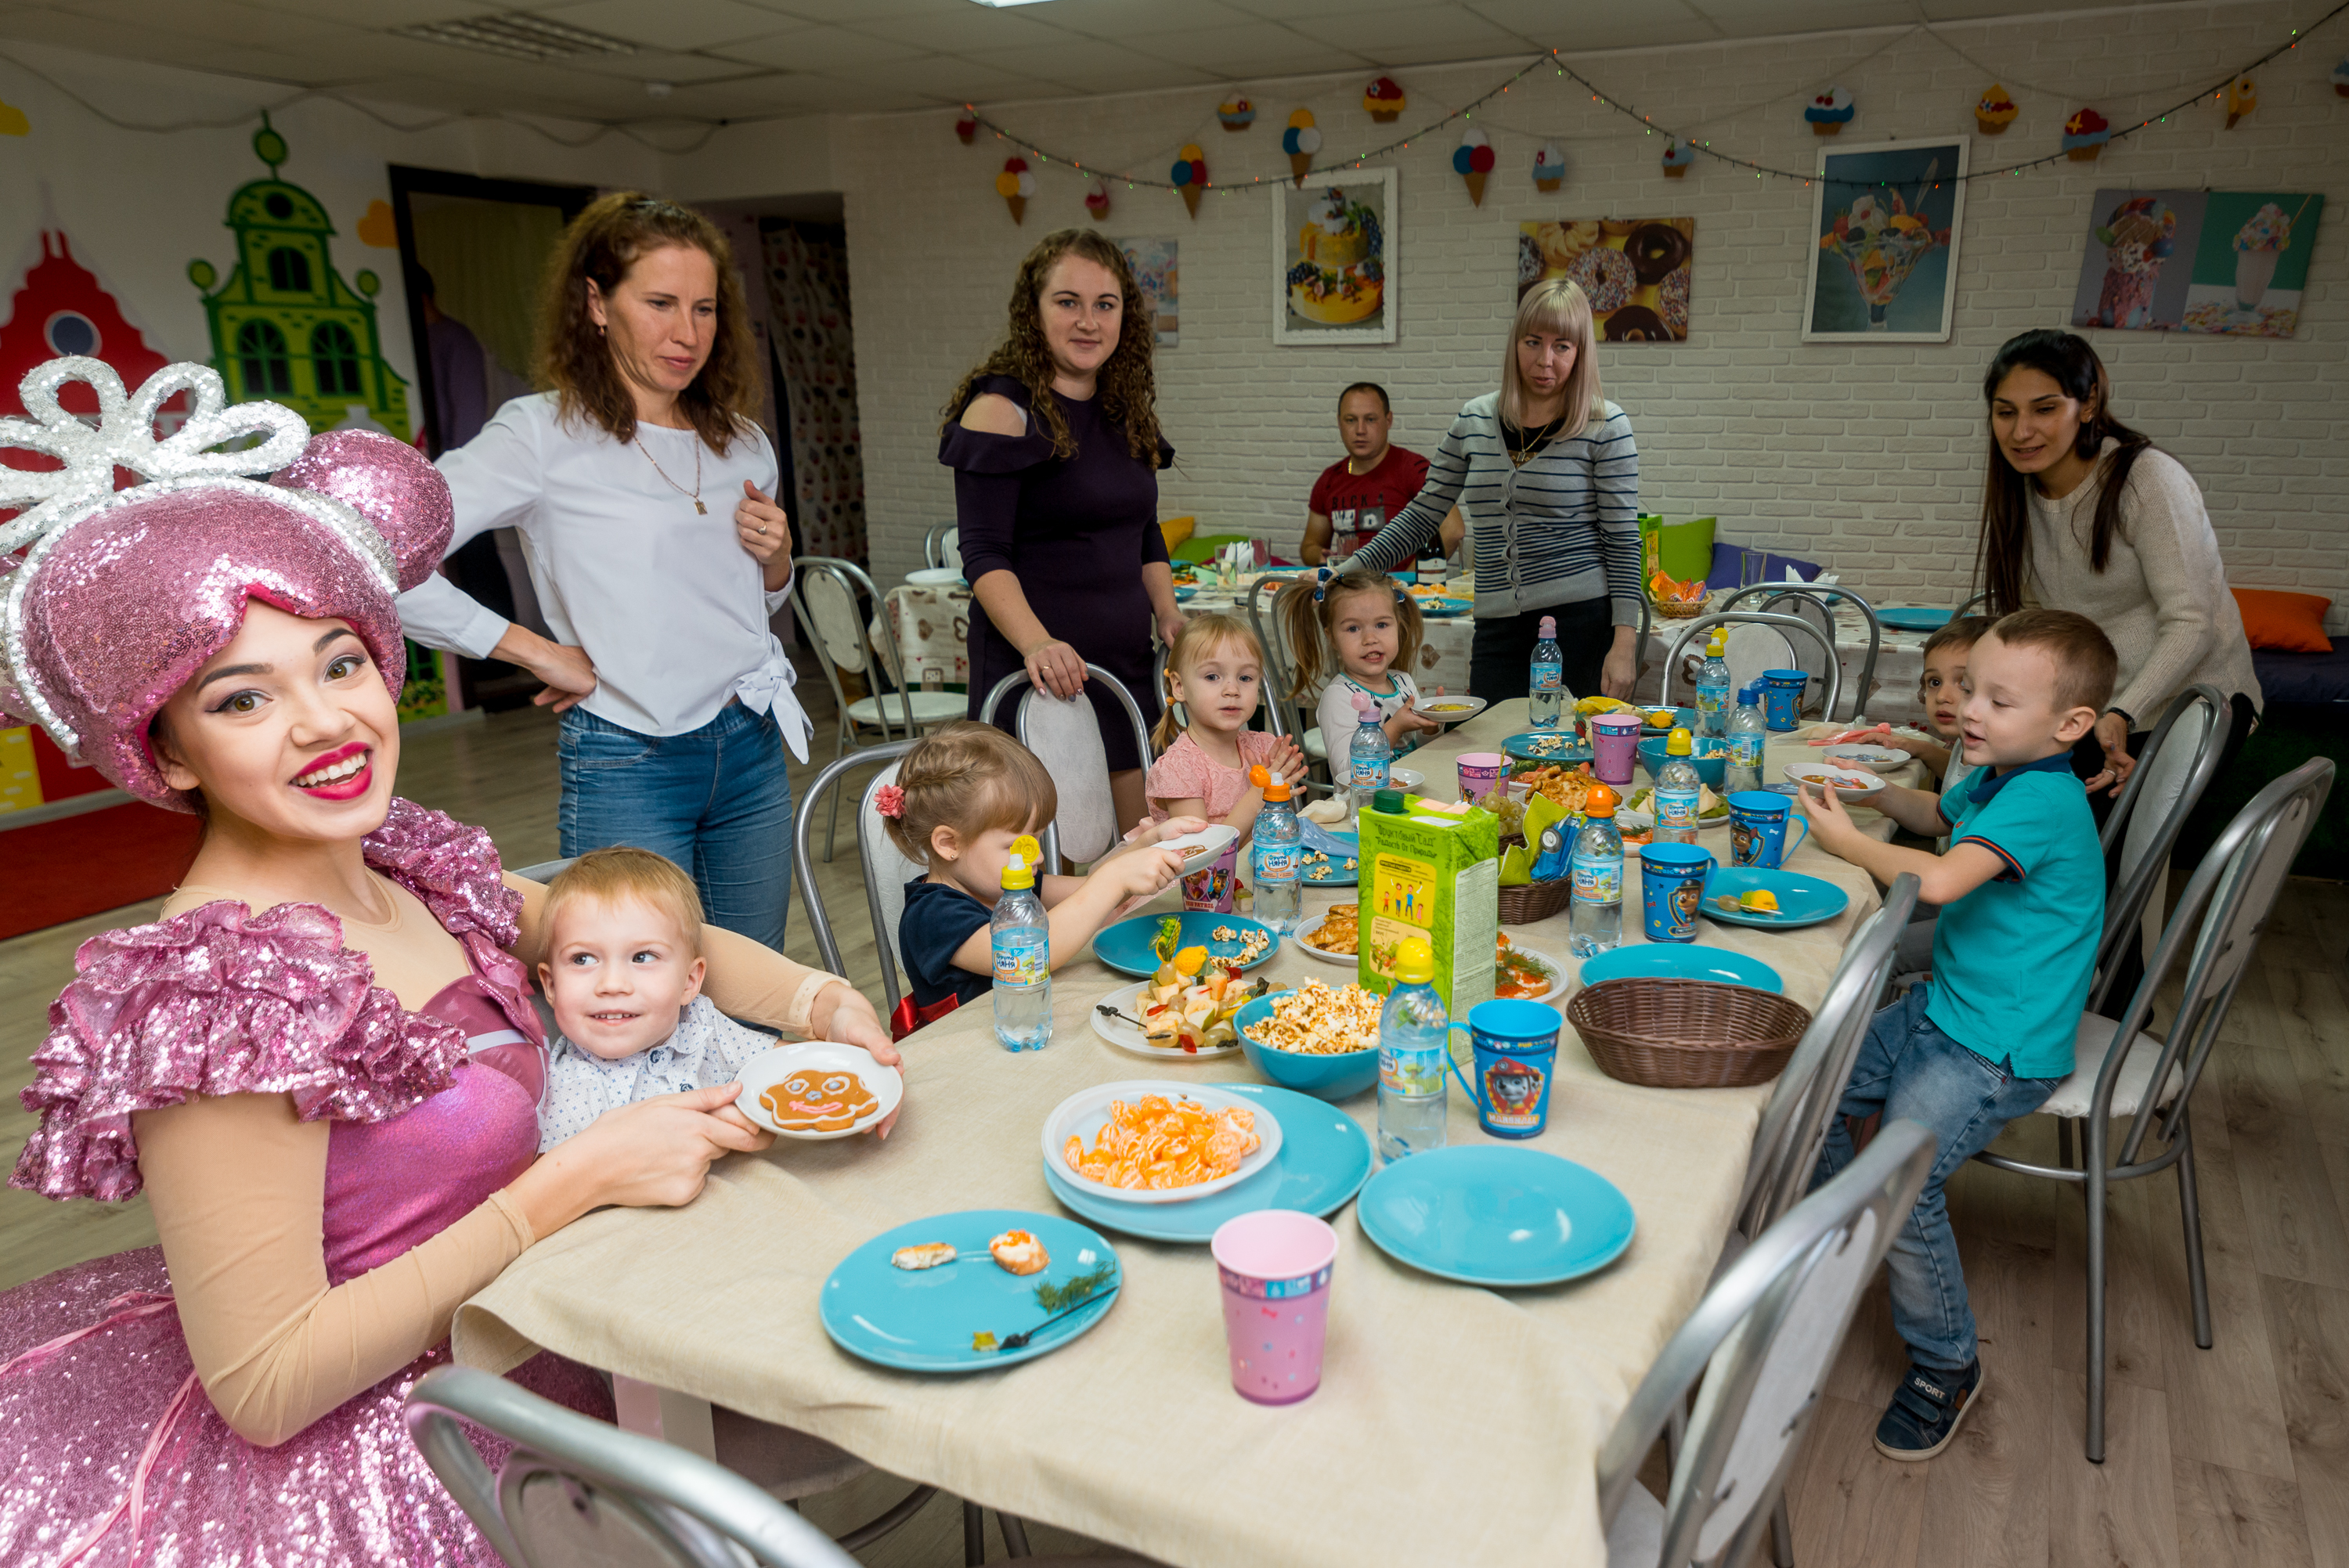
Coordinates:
(1430, 870)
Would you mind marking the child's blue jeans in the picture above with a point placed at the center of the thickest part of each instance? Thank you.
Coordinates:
(1909, 1069)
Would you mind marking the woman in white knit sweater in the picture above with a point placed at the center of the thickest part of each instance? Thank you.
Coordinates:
(2083, 513)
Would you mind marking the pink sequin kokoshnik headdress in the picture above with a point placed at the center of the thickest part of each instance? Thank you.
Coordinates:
(120, 596)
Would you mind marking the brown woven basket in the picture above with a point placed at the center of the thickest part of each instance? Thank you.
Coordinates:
(1676, 609)
(1686, 1034)
(1530, 901)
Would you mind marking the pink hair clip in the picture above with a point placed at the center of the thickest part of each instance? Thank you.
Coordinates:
(890, 800)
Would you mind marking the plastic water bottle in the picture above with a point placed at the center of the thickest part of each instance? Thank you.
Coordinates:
(1712, 687)
(1747, 729)
(1414, 1050)
(1546, 684)
(1677, 792)
(1276, 854)
(1023, 955)
(1370, 754)
(1597, 914)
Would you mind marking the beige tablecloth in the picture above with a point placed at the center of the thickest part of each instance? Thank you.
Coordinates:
(1452, 1425)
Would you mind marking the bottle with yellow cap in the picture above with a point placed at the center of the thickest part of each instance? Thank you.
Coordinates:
(1279, 848)
(1414, 1049)
(1595, 921)
(1677, 792)
(1023, 941)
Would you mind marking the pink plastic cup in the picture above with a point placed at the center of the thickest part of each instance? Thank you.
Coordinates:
(1212, 887)
(1615, 745)
(1480, 771)
(1275, 1268)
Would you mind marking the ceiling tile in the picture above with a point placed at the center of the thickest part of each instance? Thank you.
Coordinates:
(1151, 75)
(658, 66)
(851, 10)
(1261, 49)
(672, 23)
(1130, 18)
(949, 80)
(214, 21)
(1075, 62)
(378, 14)
(1768, 18)
(1623, 27)
(972, 27)
(821, 49)
(1379, 33)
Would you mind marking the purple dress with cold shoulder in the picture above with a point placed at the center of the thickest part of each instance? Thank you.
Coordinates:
(110, 1452)
(1077, 533)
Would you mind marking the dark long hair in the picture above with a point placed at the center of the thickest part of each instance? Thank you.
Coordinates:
(2002, 559)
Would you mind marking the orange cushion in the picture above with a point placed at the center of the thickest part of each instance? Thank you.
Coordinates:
(2287, 622)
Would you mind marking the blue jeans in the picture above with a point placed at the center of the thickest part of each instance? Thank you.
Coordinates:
(717, 800)
(1908, 1068)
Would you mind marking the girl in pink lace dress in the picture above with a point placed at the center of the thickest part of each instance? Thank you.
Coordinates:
(1215, 671)
(321, 1065)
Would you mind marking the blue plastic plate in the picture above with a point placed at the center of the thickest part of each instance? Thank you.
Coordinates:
(1332, 868)
(1802, 901)
(1681, 960)
(923, 1321)
(1445, 609)
(1185, 592)
(1491, 1216)
(1324, 1159)
(1562, 746)
(1907, 618)
(1126, 947)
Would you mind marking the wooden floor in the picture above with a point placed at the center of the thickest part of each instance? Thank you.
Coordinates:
(2236, 1457)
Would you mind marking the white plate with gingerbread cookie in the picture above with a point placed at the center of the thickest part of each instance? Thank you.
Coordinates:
(817, 1089)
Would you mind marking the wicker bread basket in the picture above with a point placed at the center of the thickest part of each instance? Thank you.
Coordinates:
(1686, 1034)
(1528, 902)
(1676, 609)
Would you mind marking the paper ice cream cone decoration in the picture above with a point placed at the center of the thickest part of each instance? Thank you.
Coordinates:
(967, 128)
(1549, 167)
(1300, 141)
(1830, 111)
(1473, 161)
(2084, 135)
(1994, 111)
(1678, 156)
(1235, 112)
(2241, 97)
(2341, 78)
(1382, 100)
(1097, 199)
(1190, 176)
(1015, 185)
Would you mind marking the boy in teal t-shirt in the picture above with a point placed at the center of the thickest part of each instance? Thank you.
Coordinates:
(1990, 1037)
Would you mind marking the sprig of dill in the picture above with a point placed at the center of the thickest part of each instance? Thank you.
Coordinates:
(1077, 1289)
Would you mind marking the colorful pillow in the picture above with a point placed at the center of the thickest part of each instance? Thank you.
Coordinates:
(2286, 622)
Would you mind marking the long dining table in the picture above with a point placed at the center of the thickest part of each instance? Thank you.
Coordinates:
(1454, 1423)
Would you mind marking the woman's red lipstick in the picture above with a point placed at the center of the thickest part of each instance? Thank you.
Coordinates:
(345, 789)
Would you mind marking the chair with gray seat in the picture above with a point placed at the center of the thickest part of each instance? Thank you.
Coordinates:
(1789, 627)
(1290, 719)
(943, 547)
(1817, 603)
(886, 867)
(1065, 735)
(2122, 1069)
(1763, 1340)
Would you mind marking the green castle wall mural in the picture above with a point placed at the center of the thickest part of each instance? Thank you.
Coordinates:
(286, 326)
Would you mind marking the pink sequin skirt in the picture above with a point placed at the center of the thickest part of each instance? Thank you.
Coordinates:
(77, 1424)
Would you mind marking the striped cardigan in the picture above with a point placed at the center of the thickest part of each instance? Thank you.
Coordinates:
(1562, 530)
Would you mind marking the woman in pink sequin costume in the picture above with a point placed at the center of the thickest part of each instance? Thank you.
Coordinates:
(321, 1065)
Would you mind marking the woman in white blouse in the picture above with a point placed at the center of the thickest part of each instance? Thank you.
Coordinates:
(643, 497)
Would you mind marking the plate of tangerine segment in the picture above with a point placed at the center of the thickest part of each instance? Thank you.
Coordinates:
(1153, 1141)
(817, 1089)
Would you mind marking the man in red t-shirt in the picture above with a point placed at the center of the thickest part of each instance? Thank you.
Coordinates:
(1356, 496)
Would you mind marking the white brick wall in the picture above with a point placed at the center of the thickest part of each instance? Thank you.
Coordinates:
(1870, 458)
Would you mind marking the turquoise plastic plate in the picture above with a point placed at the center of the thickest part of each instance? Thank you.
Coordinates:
(1906, 618)
(1681, 960)
(1126, 947)
(1445, 609)
(923, 1321)
(1802, 901)
(1501, 1217)
(1324, 1159)
(1333, 867)
(1561, 747)
(1185, 592)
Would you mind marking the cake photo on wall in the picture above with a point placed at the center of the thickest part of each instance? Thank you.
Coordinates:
(1634, 270)
(1333, 252)
(1884, 254)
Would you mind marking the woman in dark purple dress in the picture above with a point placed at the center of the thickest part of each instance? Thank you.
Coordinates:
(1056, 450)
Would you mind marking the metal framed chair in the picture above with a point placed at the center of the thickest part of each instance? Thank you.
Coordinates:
(2179, 763)
(1785, 626)
(2122, 1070)
(1825, 598)
(544, 871)
(942, 546)
(885, 868)
(577, 1490)
(1974, 605)
(1764, 1339)
(1288, 719)
(1066, 737)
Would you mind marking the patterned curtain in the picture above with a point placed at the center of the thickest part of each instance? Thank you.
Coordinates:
(807, 288)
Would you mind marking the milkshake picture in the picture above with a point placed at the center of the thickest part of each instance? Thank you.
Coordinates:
(2259, 245)
(2137, 239)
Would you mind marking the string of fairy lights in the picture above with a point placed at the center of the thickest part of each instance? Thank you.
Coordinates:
(1556, 61)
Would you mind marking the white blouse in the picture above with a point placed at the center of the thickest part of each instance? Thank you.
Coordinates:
(664, 600)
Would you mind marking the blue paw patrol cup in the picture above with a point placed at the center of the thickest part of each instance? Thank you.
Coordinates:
(1782, 697)
(1672, 887)
(1515, 1050)
(1757, 829)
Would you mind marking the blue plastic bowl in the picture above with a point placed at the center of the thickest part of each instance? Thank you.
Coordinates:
(1709, 770)
(1340, 1076)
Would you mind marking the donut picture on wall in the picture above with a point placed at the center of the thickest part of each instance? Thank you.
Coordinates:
(1635, 271)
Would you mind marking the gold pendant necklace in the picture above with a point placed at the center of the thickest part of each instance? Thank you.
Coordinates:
(693, 495)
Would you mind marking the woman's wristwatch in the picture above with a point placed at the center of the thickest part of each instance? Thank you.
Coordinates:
(2127, 717)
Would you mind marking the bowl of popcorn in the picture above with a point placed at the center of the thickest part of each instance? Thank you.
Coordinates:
(1319, 1039)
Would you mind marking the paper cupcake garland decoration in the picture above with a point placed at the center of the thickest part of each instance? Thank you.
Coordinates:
(1473, 161)
(1382, 100)
(2241, 97)
(1994, 110)
(1830, 111)
(1549, 167)
(1235, 112)
(1015, 185)
(1678, 156)
(1190, 176)
(2084, 135)
(1301, 140)
(2341, 76)
(1097, 199)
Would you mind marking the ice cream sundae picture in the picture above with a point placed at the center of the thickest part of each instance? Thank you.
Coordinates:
(1336, 272)
(2251, 263)
(2137, 238)
(1880, 238)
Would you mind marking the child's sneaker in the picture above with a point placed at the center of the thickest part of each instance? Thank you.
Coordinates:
(1925, 1411)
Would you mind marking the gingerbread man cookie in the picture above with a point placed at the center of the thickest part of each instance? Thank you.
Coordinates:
(812, 1100)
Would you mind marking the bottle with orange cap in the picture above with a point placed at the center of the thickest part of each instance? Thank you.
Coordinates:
(1596, 918)
(1279, 848)
(1021, 942)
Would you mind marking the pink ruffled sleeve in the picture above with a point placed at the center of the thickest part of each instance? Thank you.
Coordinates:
(453, 868)
(217, 1001)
